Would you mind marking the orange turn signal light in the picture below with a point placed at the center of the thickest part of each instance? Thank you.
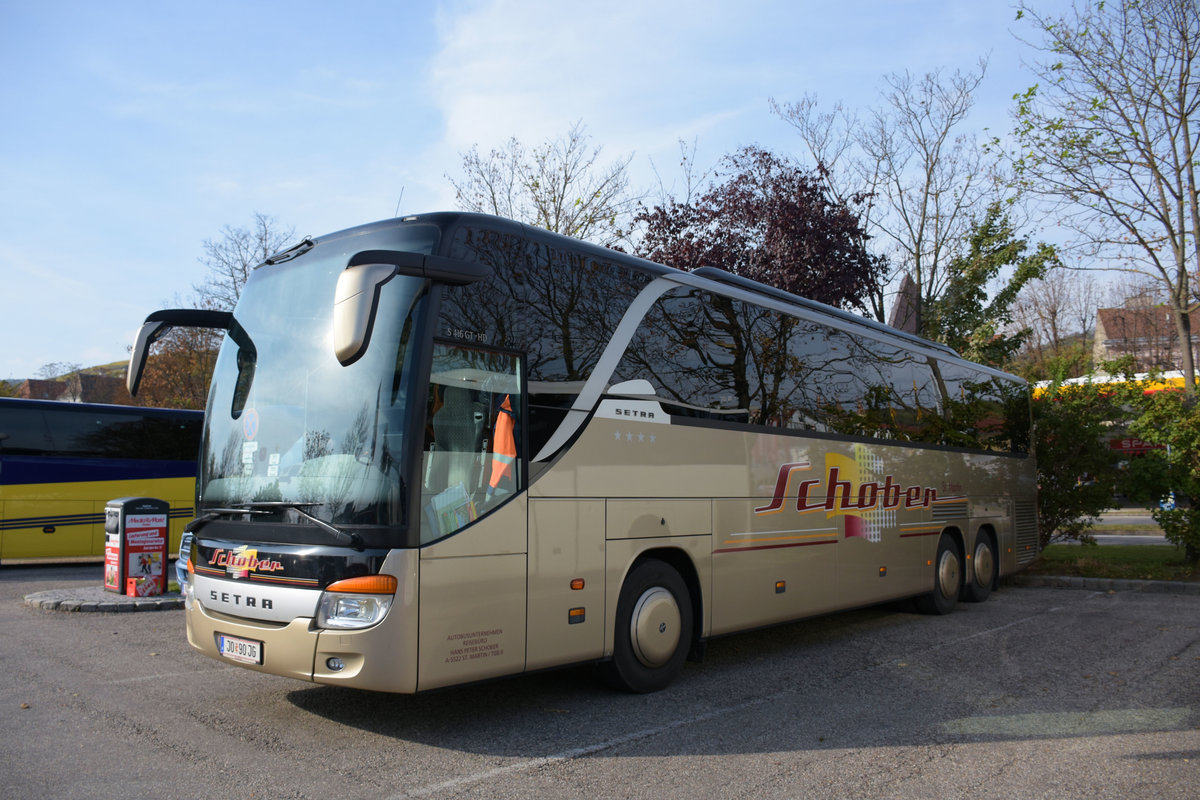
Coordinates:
(367, 584)
(577, 584)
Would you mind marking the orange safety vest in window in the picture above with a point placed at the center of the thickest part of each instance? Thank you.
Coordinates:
(504, 446)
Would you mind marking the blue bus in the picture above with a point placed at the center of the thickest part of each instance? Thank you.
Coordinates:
(61, 462)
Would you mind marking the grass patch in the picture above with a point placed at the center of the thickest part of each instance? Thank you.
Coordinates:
(1136, 562)
(1119, 527)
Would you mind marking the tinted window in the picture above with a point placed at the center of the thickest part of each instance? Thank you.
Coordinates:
(23, 431)
(724, 359)
(983, 412)
(84, 432)
(559, 307)
(471, 461)
(695, 350)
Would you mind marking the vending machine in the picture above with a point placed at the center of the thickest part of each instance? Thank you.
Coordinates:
(135, 546)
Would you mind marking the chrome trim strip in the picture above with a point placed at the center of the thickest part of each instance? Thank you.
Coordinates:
(592, 390)
(254, 601)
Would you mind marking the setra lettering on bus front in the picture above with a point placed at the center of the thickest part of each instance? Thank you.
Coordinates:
(244, 600)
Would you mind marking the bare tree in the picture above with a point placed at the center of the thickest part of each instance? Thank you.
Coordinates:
(67, 374)
(1138, 291)
(181, 362)
(558, 185)
(693, 178)
(1110, 136)
(1059, 311)
(230, 259)
(916, 180)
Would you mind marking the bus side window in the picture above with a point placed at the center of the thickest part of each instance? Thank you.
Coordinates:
(472, 457)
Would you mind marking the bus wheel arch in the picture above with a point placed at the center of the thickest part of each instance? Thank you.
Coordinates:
(655, 626)
(948, 573)
(983, 567)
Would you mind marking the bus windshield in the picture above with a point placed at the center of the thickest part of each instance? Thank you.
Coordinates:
(288, 426)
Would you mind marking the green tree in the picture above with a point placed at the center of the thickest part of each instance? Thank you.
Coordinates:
(970, 317)
(1170, 419)
(1076, 469)
(1110, 137)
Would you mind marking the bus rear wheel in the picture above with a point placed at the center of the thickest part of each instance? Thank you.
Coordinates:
(984, 569)
(947, 579)
(653, 628)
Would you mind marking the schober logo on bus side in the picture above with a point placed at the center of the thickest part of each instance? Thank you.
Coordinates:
(842, 491)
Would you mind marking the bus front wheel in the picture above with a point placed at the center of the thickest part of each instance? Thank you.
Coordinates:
(947, 579)
(653, 629)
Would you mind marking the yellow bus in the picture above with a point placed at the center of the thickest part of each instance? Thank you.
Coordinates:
(61, 462)
(450, 447)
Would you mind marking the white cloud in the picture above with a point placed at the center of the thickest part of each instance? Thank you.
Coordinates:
(531, 69)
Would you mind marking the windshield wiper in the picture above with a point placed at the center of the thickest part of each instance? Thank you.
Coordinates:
(271, 507)
(217, 513)
(295, 250)
(266, 507)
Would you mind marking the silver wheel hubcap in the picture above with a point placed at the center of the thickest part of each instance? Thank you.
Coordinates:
(654, 627)
(948, 573)
(983, 565)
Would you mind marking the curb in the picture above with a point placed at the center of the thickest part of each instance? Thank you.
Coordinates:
(1105, 584)
(100, 599)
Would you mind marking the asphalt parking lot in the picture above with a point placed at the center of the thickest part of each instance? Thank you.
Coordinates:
(1039, 692)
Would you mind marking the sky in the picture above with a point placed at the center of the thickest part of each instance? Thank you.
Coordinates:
(135, 131)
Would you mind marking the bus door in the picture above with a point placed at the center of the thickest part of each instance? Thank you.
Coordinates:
(473, 518)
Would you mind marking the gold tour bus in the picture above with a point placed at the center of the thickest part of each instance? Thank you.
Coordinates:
(450, 447)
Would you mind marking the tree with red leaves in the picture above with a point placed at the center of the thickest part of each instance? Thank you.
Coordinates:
(768, 220)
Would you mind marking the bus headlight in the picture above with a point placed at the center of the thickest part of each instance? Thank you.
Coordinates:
(188, 587)
(356, 602)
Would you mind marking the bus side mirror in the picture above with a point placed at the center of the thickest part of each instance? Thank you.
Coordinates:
(149, 333)
(355, 302)
(157, 325)
(356, 298)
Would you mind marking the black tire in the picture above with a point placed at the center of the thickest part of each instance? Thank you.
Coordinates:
(947, 579)
(653, 629)
(985, 569)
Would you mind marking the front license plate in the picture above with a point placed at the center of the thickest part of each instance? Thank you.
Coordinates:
(246, 651)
